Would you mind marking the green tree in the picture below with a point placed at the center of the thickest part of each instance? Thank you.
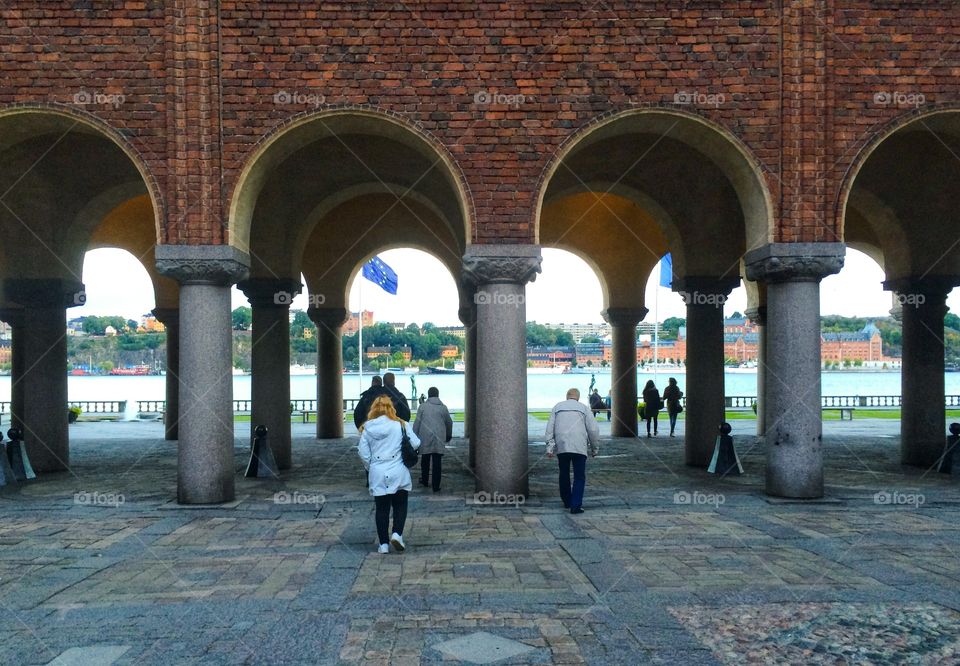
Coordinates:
(670, 327)
(589, 339)
(242, 318)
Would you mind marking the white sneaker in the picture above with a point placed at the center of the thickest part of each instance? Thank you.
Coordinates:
(397, 542)
(384, 548)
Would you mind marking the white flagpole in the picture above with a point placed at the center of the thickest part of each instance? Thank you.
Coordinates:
(656, 326)
(360, 333)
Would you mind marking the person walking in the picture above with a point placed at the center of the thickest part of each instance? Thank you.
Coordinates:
(572, 434)
(389, 479)
(672, 395)
(378, 387)
(651, 405)
(434, 427)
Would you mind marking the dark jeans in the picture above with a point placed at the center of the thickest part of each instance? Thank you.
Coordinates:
(572, 497)
(398, 502)
(654, 419)
(673, 421)
(425, 468)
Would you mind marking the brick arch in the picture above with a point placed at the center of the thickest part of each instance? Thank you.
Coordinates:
(106, 130)
(242, 201)
(867, 145)
(751, 167)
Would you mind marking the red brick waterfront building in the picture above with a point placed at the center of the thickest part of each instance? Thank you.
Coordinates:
(255, 142)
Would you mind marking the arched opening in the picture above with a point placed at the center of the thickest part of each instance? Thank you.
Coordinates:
(901, 203)
(61, 176)
(639, 185)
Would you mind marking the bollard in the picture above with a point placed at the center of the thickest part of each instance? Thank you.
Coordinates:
(946, 460)
(8, 480)
(17, 456)
(262, 463)
(725, 460)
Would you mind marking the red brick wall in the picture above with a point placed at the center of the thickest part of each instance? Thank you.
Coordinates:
(198, 79)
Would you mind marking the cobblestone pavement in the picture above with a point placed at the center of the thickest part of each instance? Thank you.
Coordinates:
(667, 565)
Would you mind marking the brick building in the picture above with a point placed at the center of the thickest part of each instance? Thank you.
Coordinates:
(252, 142)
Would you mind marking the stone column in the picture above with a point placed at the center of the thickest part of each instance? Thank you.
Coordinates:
(14, 317)
(758, 316)
(623, 369)
(923, 411)
(205, 453)
(43, 367)
(270, 361)
(792, 273)
(704, 297)
(329, 323)
(500, 273)
(468, 316)
(170, 318)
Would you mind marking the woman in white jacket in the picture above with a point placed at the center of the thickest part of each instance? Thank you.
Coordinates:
(389, 478)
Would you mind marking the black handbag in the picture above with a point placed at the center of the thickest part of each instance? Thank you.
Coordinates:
(407, 452)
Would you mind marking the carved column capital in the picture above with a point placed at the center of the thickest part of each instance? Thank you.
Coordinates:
(270, 292)
(491, 264)
(624, 316)
(757, 315)
(221, 265)
(329, 318)
(167, 316)
(45, 293)
(794, 262)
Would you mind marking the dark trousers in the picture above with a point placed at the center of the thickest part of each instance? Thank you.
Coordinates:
(397, 502)
(654, 419)
(572, 497)
(425, 459)
(673, 421)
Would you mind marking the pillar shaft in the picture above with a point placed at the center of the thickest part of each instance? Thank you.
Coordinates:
(792, 272)
(170, 318)
(41, 365)
(705, 297)
(14, 317)
(270, 361)
(500, 274)
(468, 316)
(623, 369)
(205, 460)
(923, 411)
(758, 316)
(329, 323)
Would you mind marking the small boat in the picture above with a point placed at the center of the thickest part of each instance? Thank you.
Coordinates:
(136, 370)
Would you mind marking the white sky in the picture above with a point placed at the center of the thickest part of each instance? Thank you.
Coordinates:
(116, 284)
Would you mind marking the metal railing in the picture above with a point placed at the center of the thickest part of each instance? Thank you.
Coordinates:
(99, 406)
(845, 401)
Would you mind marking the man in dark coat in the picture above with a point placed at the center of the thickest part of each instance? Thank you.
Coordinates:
(377, 388)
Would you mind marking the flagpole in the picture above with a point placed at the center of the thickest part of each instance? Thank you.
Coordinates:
(656, 328)
(360, 333)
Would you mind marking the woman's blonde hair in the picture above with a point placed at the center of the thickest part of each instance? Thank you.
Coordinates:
(382, 405)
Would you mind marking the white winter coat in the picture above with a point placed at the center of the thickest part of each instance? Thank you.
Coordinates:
(379, 450)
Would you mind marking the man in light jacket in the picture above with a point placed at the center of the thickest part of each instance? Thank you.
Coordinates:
(572, 433)
(434, 427)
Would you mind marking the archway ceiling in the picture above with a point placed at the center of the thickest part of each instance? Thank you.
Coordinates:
(328, 167)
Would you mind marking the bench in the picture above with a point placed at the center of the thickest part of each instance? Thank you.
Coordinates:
(846, 413)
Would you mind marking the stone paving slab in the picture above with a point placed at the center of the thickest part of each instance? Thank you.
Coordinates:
(668, 564)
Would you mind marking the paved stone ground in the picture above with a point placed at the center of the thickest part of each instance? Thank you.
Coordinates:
(668, 564)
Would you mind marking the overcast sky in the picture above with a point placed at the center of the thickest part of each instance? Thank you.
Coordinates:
(117, 284)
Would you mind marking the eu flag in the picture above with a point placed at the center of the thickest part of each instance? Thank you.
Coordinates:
(379, 273)
(666, 271)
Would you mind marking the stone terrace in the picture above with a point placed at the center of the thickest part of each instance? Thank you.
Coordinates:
(668, 564)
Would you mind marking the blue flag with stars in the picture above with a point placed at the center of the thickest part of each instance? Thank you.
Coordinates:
(666, 270)
(379, 273)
